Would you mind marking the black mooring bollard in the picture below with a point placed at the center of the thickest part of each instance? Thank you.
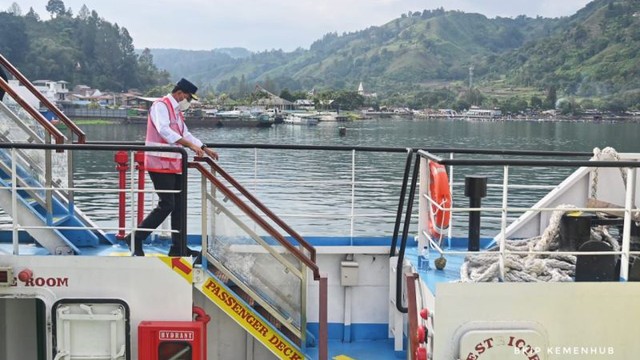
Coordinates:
(475, 188)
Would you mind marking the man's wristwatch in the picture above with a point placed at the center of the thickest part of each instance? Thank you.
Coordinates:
(203, 146)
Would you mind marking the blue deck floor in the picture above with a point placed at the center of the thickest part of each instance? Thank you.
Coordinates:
(451, 271)
(159, 246)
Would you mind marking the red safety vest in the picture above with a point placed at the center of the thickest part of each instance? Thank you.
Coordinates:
(163, 162)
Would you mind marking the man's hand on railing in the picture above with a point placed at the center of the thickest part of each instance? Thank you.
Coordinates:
(204, 159)
(212, 154)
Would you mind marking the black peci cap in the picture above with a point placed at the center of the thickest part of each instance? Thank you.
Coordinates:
(187, 87)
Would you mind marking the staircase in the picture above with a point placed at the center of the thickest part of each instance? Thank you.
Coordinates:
(258, 279)
(40, 203)
(256, 273)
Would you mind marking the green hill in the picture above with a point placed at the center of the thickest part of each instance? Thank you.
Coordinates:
(593, 53)
(82, 49)
(414, 49)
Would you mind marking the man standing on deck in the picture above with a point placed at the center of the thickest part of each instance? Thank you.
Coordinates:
(166, 127)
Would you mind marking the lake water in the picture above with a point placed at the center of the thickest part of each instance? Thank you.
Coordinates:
(525, 135)
(313, 191)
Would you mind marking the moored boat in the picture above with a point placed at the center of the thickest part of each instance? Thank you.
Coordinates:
(294, 119)
(475, 113)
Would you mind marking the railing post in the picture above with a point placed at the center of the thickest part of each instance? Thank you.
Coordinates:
(184, 191)
(503, 222)
(423, 203)
(139, 159)
(410, 279)
(47, 103)
(204, 218)
(122, 159)
(626, 232)
(48, 180)
(14, 202)
(70, 181)
(450, 230)
(323, 332)
(353, 192)
(475, 188)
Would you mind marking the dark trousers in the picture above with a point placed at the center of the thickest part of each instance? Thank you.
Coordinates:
(170, 203)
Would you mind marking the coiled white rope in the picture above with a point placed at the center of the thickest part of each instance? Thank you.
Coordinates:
(532, 267)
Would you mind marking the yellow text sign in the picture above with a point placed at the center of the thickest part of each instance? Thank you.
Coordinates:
(246, 317)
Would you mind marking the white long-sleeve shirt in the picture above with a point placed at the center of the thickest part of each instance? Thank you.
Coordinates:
(160, 118)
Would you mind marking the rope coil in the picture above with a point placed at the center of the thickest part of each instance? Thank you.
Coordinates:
(532, 267)
(484, 267)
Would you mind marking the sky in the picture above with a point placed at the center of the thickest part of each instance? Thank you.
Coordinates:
(260, 25)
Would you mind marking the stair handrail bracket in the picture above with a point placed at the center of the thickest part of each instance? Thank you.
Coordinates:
(306, 254)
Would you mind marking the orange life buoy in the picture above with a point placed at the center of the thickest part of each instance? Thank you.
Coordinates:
(440, 193)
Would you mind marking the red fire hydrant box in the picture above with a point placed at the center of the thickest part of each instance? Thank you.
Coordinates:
(179, 340)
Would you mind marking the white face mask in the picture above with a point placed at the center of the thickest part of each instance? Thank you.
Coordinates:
(184, 105)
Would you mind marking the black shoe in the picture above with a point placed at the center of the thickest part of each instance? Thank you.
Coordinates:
(174, 251)
(139, 251)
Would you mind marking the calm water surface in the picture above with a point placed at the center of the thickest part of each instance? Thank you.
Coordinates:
(526, 135)
(312, 191)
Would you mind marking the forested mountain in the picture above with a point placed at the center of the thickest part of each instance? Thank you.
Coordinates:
(418, 47)
(593, 53)
(596, 52)
(420, 59)
(83, 49)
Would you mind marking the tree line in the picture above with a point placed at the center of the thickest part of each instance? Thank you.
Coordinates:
(81, 49)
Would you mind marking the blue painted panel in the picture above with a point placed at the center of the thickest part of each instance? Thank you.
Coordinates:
(359, 332)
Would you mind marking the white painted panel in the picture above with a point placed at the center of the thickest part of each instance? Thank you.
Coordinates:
(153, 289)
(372, 289)
(582, 320)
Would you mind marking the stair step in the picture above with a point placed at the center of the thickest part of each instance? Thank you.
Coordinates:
(60, 220)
